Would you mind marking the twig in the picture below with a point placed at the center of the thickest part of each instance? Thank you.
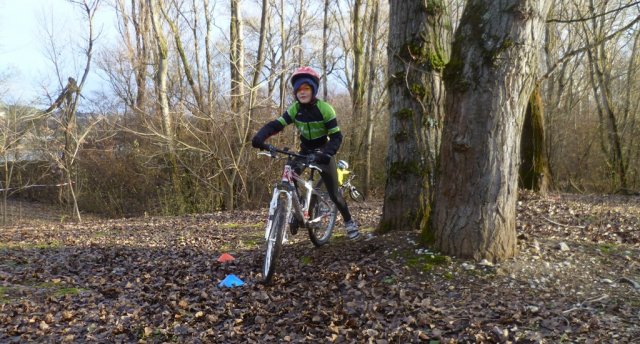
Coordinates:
(582, 305)
(574, 309)
(599, 298)
(563, 225)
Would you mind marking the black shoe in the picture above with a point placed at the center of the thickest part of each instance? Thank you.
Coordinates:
(293, 226)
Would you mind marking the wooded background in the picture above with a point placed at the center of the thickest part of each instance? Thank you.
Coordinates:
(190, 81)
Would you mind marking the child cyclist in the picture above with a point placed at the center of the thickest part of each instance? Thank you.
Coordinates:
(319, 135)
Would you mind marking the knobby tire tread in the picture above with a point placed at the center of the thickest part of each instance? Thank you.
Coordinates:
(278, 225)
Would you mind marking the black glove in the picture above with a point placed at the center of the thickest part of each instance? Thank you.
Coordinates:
(321, 158)
(258, 142)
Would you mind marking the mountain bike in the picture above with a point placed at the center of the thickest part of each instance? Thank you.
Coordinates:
(309, 208)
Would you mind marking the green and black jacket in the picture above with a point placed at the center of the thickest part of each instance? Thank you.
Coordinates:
(316, 123)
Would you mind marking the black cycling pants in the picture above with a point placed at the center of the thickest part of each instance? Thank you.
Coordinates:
(329, 177)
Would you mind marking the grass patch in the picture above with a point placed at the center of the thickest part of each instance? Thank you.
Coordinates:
(4, 295)
(240, 225)
(57, 289)
(10, 263)
(67, 291)
(242, 243)
(305, 260)
(8, 294)
(100, 234)
(388, 280)
(30, 246)
(250, 243)
(607, 248)
(424, 262)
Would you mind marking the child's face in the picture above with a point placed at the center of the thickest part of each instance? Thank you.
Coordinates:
(304, 94)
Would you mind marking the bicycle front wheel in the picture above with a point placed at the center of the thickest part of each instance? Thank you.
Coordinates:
(274, 241)
(356, 195)
(322, 213)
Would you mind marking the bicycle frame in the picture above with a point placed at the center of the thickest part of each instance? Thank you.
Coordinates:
(287, 188)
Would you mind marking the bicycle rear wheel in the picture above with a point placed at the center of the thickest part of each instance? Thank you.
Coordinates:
(356, 195)
(274, 241)
(322, 213)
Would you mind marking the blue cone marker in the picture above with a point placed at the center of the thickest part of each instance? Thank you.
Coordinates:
(231, 281)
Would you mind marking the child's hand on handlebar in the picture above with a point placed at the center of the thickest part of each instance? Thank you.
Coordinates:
(321, 158)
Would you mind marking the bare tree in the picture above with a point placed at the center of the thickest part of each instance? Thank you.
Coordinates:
(325, 46)
(372, 61)
(600, 76)
(67, 102)
(358, 77)
(236, 57)
(255, 82)
(16, 148)
(588, 42)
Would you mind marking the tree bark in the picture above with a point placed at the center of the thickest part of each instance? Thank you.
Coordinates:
(325, 48)
(358, 80)
(489, 81)
(368, 135)
(418, 51)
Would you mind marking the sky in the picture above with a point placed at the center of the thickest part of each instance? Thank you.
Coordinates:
(23, 47)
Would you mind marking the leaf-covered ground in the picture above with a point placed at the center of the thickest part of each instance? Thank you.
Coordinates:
(152, 280)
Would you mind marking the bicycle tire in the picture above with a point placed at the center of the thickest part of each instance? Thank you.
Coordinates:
(324, 211)
(274, 241)
(356, 195)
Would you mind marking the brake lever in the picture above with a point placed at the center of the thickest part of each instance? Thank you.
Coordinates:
(314, 167)
(271, 154)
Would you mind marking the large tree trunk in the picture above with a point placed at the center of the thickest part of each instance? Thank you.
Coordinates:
(418, 51)
(534, 168)
(489, 81)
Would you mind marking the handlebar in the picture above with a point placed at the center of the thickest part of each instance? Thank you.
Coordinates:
(271, 152)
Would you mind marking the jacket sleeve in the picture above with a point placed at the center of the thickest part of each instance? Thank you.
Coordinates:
(335, 140)
(266, 132)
